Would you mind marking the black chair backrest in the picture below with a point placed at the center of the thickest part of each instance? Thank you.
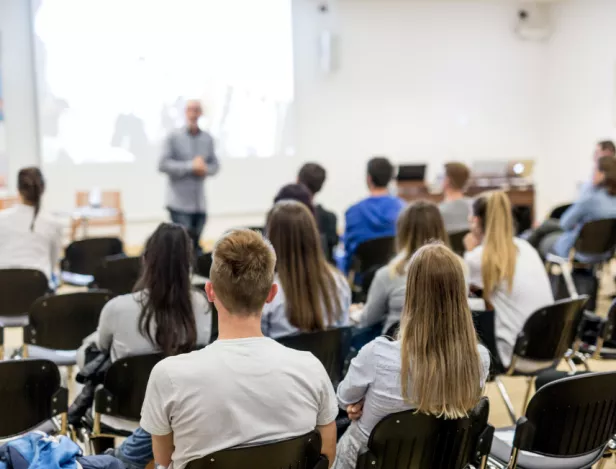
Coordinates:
(374, 253)
(330, 347)
(124, 387)
(302, 452)
(550, 331)
(570, 416)
(557, 212)
(597, 237)
(204, 264)
(456, 240)
(418, 441)
(19, 288)
(118, 274)
(30, 394)
(84, 256)
(61, 322)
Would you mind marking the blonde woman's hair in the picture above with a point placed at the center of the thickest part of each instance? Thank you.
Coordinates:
(418, 224)
(499, 252)
(440, 359)
(306, 278)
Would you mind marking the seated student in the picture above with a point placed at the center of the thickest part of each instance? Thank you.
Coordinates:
(312, 175)
(29, 239)
(243, 388)
(297, 192)
(559, 236)
(455, 206)
(312, 295)
(434, 366)
(603, 148)
(418, 224)
(507, 269)
(375, 216)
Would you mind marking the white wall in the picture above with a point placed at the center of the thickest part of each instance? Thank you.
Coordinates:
(417, 81)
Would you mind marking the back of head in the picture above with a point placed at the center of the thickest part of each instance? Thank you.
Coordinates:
(419, 223)
(31, 185)
(165, 280)
(607, 166)
(457, 174)
(441, 372)
(297, 192)
(242, 273)
(607, 147)
(493, 209)
(312, 175)
(380, 171)
(306, 279)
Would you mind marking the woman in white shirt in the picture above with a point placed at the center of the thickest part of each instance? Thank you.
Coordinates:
(312, 295)
(508, 270)
(435, 366)
(28, 238)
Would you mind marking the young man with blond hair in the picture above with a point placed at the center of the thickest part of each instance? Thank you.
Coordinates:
(244, 388)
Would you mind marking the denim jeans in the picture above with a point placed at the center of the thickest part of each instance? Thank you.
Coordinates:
(136, 451)
(193, 222)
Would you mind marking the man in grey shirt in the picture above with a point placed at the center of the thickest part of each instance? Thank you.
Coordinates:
(188, 158)
(455, 206)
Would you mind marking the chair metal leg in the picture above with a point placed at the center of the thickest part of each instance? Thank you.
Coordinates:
(503, 392)
(529, 388)
(513, 461)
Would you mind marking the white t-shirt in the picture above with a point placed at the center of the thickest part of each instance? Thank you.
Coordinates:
(531, 291)
(236, 392)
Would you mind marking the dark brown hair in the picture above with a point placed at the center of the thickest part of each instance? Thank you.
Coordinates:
(458, 174)
(166, 303)
(31, 185)
(312, 175)
(306, 278)
(298, 192)
(607, 145)
(380, 171)
(607, 165)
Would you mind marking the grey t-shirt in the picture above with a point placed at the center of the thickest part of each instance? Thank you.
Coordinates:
(236, 392)
(455, 214)
(118, 326)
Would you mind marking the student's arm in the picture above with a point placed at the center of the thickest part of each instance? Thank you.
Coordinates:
(360, 375)
(376, 305)
(213, 165)
(106, 327)
(349, 242)
(156, 413)
(56, 249)
(473, 262)
(328, 441)
(162, 447)
(171, 166)
(574, 214)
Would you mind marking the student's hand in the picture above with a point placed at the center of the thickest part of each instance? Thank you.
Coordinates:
(356, 410)
(470, 242)
(199, 167)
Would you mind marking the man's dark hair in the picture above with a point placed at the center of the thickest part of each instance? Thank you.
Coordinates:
(312, 175)
(380, 171)
(297, 192)
(608, 145)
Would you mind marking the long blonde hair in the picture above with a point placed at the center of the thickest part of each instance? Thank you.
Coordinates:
(418, 224)
(440, 359)
(498, 260)
(307, 280)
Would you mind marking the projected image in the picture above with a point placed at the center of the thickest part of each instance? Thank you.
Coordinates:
(114, 75)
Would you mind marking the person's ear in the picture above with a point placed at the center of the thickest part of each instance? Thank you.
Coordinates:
(209, 291)
(272, 293)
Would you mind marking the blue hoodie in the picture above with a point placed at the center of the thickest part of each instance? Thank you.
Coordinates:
(374, 217)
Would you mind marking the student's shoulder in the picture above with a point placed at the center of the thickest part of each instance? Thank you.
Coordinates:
(199, 301)
(176, 367)
(122, 303)
(354, 209)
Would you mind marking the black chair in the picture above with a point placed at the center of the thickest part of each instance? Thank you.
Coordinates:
(330, 347)
(605, 346)
(456, 240)
(19, 288)
(204, 264)
(30, 396)
(568, 425)
(368, 257)
(83, 257)
(121, 396)
(118, 274)
(302, 452)
(59, 324)
(543, 342)
(414, 440)
(557, 212)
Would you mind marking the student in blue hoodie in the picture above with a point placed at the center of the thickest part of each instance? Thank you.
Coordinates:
(376, 215)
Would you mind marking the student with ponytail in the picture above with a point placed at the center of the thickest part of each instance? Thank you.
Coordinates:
(435, 366)
(29, 239)
(507, 269)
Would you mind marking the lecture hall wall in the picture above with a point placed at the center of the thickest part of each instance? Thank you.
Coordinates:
(417, 81)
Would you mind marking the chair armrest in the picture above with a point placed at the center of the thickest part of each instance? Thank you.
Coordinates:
(366, 460)
(484, 444)
(323, 463)
(524, 434)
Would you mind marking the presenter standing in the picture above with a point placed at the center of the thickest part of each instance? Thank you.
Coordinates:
(188, 158)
